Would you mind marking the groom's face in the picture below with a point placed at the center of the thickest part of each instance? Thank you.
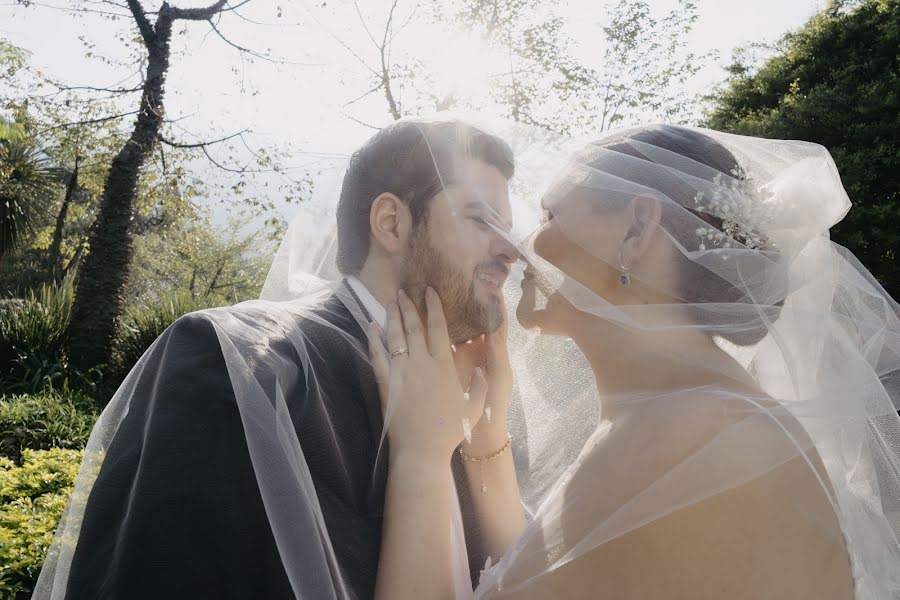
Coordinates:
(461, 250)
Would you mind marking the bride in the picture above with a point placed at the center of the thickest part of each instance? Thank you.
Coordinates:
(746, 443)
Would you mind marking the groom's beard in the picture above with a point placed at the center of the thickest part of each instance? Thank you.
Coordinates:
(467, 317)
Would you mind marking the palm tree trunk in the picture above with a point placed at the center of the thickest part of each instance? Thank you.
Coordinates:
(102, 278)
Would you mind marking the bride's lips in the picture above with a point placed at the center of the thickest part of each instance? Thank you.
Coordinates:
(528, 277)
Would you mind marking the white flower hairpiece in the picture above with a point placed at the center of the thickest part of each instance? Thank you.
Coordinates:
(744, 216)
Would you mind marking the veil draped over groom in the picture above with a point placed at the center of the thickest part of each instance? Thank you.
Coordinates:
(245, 454)
(799, 317)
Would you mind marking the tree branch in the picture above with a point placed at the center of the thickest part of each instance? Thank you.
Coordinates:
(362, 22)
(69, 88)
(372, 91)
(355, 120)
(89, 121)
(198, 14)
(168, 142)
(241, 48)
(236, 6)
(385, 69)
(406, 22)
(221, 166)
(143, 23)
(73, 11)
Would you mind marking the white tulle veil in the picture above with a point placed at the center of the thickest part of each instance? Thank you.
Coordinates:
(809, 374)
(286, 385)
(815, 338)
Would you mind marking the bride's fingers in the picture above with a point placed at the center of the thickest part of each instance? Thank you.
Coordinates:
(412, 323)
(496, 349)
(474, 408)
(381, 364)
(503, 330)
(438, 338)
(396, 338)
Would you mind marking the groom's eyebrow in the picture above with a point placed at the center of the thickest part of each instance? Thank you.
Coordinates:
(494, 216)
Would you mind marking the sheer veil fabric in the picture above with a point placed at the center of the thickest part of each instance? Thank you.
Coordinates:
(786, 350)
(738, 358)
(281, 391)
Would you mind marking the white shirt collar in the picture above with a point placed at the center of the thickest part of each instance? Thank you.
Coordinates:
(376, 310)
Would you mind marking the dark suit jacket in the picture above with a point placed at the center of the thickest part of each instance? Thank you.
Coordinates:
(176, 510)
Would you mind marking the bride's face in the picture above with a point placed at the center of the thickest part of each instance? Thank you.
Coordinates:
(581, 239)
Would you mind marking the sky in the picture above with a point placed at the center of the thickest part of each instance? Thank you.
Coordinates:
(302, 102)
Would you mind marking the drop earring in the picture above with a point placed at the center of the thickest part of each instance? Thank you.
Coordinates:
(624, 272)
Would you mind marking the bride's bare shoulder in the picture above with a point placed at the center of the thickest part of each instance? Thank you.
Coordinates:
(704, 496)
(664, 430)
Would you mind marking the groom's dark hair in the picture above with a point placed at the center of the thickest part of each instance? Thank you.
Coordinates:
(413, 160)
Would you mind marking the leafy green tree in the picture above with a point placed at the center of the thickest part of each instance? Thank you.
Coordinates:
(135, 180)
(836, 81)
(99, 294)
(641, 72)
(534, 72)
(637, 75)
(176, 249)
(218, 266)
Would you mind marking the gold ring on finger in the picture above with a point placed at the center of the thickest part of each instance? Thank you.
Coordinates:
(398, 352)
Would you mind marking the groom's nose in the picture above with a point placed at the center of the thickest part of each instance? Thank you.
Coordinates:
(503, 249)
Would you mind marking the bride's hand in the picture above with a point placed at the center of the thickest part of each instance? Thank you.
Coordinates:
(490, 351)
(426, 412)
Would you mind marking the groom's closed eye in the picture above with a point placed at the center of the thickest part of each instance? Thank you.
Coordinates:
(482, 214)
(482, 222)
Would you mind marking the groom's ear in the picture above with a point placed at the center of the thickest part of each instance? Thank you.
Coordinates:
(644, 214)
(390, 222)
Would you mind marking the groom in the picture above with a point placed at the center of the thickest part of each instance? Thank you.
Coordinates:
(422, 203)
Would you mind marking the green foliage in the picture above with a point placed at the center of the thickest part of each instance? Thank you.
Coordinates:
(33, 497)
(836, 82)
(28, 184)
(634, 71)
(32, 339)
(44, 421)
(221, 267)
(643, 66)
(80, 130)
(9, 130)
(12, 59)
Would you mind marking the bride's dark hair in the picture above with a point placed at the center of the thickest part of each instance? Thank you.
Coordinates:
(698, 284)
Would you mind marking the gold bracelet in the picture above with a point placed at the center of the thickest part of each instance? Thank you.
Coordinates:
(483, 459)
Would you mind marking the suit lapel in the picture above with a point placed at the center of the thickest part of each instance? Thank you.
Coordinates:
(351, 310)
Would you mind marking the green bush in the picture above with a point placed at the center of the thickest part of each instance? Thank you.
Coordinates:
(44, 421)
(33, 339)
(33, 497)
(33, 333)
